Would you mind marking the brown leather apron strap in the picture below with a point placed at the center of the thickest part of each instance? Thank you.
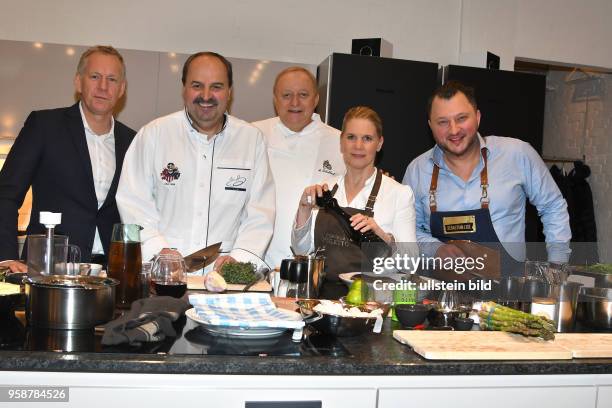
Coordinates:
(433, 186)
(374, 193)
(484, 181)
(484, 185)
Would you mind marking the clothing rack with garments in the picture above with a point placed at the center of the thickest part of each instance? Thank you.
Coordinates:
(579, 197)
(554, 159)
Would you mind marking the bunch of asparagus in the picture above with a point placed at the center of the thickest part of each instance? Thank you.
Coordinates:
(497, 317)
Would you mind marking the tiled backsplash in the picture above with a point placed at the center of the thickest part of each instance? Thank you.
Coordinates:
(576, 126)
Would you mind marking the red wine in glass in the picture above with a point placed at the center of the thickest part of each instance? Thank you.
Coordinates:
(174, 289)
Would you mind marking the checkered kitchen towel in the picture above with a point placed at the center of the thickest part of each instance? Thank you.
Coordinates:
(242, 310)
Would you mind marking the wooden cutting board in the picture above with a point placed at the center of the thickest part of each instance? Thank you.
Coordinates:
(197, 283)
(480, 345)
(586, 345)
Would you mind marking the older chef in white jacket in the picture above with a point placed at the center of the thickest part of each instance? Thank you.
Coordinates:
(200, 176)
(302, 151)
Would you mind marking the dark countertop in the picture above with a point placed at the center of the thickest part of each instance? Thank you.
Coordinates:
(371, 354)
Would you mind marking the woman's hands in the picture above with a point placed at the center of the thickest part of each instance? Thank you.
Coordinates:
(308, 201)
(364, 223)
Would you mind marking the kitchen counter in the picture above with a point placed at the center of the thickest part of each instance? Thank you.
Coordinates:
(371, 354)
(379, 372)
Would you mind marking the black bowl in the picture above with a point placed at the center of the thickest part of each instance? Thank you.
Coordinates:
(439, 317)
(339, 326)
(463, 323)
(411, 315)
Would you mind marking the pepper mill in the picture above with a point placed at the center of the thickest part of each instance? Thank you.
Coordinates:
(50, 221)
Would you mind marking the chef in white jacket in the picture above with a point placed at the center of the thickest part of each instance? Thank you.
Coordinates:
(199, 176)
(302, 151)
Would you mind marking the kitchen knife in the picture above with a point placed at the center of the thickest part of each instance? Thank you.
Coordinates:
(202, 258)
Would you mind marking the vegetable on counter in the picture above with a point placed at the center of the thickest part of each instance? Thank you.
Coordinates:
(214, 282)
(600, 268)
(239, 273)
(496, 317)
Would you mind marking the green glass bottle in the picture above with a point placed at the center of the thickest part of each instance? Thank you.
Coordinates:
(406, 294)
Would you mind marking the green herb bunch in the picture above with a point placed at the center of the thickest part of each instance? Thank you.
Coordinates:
(239, 273)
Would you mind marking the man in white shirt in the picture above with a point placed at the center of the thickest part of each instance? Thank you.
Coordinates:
(199, 176)
(302, 151)
(72, 158)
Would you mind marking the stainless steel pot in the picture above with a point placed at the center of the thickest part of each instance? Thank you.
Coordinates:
(595, 307)
(69, 302)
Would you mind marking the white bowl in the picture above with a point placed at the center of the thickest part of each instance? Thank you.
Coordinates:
(76, 267)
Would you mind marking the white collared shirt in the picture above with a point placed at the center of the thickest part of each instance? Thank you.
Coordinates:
(102, 156)
(297, 160)
(188, 191)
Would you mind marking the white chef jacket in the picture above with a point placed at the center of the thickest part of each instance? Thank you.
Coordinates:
(297, 160)
(102, 156)
(189, 192)
(393, 212)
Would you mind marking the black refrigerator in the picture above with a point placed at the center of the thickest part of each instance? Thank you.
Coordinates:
(396, 89)
(510, 103)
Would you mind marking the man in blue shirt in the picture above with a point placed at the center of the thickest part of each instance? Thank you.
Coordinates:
(472, 188)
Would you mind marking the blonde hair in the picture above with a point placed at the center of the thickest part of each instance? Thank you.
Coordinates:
(102, 49)
(296, 69)
(363, 112)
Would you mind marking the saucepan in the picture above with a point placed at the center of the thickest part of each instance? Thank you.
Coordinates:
(69, 302)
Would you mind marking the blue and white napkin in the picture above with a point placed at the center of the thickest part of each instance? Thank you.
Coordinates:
(246, 310)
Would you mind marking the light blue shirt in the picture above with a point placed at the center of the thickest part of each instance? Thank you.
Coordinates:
(515, 172)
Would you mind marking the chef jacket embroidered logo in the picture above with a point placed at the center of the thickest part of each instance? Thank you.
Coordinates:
(170, 174)
(235, 183)
(327, 168)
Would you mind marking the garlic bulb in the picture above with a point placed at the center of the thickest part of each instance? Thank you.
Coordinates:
(214, 282)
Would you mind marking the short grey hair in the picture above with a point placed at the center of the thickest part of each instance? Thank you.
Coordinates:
(101, 49)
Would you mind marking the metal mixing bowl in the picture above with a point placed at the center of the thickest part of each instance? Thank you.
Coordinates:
(595, 307)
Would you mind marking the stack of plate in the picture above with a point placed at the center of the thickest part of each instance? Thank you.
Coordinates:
(248, 315)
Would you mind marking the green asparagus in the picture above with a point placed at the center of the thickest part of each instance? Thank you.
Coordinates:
(501, 318)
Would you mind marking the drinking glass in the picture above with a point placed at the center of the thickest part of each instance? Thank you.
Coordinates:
(125, 262)
(168, 276)
(145, 279)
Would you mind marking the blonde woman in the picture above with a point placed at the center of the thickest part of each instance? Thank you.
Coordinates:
(376, 203)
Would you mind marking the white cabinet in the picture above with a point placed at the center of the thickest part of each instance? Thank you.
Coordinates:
(103, 390)
(604, 397)
(203, 396)
(498, 397)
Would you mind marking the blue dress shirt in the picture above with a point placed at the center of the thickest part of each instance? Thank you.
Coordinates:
(515, 172)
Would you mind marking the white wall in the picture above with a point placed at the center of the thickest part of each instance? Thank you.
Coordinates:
(566, 31)
(569, 31)
(272, 29)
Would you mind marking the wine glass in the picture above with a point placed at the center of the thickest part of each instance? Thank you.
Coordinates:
(168, 276)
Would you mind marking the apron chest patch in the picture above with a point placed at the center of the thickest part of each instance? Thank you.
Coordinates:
(459, 224)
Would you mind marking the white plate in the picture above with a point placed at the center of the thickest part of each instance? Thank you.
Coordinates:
(245, 332)
(348, 277)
